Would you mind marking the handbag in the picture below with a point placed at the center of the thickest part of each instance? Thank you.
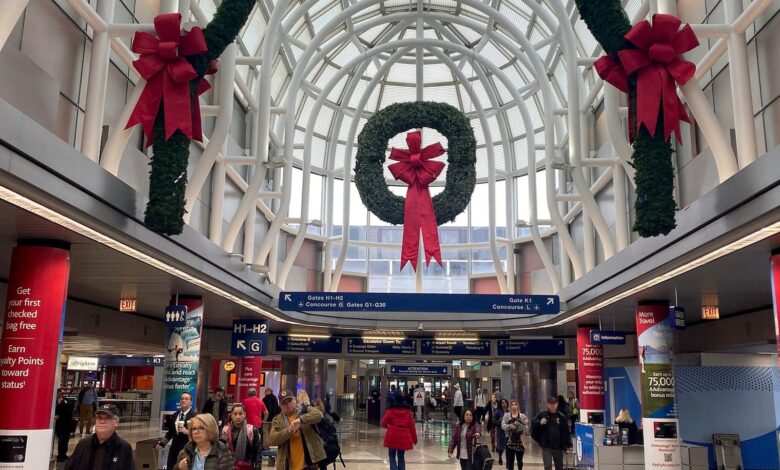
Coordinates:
(237, 464)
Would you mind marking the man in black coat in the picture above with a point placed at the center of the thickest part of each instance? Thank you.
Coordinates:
(178, 434)
(63, 425)
(271, 404)
(104, 449)
(217, 406)
(550, 429)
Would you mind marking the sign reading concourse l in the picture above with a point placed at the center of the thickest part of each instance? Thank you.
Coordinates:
(445, 303)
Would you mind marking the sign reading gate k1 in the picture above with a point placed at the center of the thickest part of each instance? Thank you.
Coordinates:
(250, 338)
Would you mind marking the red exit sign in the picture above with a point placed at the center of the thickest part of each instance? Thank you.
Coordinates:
(127, 305)
(710, 313)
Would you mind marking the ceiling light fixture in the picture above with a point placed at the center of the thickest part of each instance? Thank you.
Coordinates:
(308, 335)
(40, 210)
(732, 247)
(380, 338)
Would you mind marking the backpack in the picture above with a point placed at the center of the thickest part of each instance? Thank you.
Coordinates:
(330, 441)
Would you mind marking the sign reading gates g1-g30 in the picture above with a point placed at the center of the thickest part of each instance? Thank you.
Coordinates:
(440, 347)
(381, 346)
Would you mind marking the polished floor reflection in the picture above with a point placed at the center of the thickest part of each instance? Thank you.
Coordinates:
(361, 446)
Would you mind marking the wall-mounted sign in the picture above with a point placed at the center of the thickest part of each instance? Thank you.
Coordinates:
(127, 305)
(531, 347)
(229, 365)
(82, 363)
(607, 337)
(677, 317)
(176, 316)
(710, 312)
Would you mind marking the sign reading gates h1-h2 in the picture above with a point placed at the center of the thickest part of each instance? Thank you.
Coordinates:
(250, 338)
(450, 303)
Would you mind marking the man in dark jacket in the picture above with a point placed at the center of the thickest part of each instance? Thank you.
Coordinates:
(217, 406)
(271, 404)
(104, 450)
(178, 434)
(63, 425)
(550, 429)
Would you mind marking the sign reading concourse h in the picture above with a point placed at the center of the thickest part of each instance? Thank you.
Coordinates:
(447, 303)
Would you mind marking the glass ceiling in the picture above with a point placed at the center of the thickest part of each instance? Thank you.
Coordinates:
(441, 83)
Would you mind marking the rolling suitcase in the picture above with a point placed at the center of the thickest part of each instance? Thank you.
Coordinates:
(481, 458)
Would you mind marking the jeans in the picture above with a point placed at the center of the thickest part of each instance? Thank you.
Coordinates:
(550, 455)
(397, 461)
(465, 464)
(511, 456)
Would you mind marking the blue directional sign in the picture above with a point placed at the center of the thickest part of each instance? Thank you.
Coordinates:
(419, 370)
(438, 347)
(176, 316)
(677, 318)
(250, 338)
(382, 346)
(531, 347)
(449, 303)
(607, 337)
(297, 344)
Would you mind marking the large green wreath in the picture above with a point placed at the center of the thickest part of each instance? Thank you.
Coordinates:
(652, 157)
(168, 175)
(400, 117)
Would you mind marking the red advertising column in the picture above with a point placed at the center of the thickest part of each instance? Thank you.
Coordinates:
(776, 293)
(590, 368)
(250, 369)
(29, 353)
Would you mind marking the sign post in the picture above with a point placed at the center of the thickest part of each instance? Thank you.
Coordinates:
(31, 338)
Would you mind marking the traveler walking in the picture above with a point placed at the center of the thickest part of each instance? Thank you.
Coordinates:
(490, 420)
(87, 405)
(550, 428)
(500, 433)
(497, 393)
(178, 434)
(256, 411)
(330, 437)
(462, 441)
(63, 425)
(445, 402)
(457, 402)
(574, 408)
(480, 402)
(401, 433)
(271, 404)
(205, 451)
(243, 440)
(216, 406)
(103, 448)
(299, 446)
(514, 425)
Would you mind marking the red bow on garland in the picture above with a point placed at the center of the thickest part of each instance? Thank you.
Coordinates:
(416, 169)
(658, 67)
(168, 75)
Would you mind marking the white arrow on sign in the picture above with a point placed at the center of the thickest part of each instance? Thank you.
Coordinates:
(241, 344)
(550, 300)
(288, 297)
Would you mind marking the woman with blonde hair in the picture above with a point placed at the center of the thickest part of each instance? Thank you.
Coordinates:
(303, 401)
(624, 421)
(204, 451)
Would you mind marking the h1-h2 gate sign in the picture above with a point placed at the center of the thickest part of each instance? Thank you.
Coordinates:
(250, 338)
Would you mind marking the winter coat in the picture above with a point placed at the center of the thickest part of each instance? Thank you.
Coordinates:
(280, 436)
(218, 459)
(563, 430)
(455, 441)
(119, 454)
(401, 431)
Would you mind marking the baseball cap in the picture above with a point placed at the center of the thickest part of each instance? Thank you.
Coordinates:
(285, 395)
(552, 400)
(108, 409)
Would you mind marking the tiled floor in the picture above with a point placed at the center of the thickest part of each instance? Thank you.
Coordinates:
(361, 446)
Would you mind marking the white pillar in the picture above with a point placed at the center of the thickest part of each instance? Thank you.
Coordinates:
(12, 11)
(97, 84)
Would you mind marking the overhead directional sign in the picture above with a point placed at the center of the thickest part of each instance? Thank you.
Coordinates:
(438, 347)
(250, 338)
(418, 370)
(531, 347)
(607, 337)
(308, 345)
(381, 346)
(176, 316)
(449, 303)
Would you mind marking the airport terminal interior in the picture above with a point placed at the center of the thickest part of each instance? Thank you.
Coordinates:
(392, 209)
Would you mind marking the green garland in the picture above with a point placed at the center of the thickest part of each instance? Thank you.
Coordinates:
(397, 118)
(168, 175)
(652, 157)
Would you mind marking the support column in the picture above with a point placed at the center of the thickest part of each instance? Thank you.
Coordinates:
(289, 376)
(31, 344)
(659, 410)
(182, 358)
(590, 368)
(775, 263)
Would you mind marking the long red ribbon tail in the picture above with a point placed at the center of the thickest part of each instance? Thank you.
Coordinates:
(430, 230)
(411, 239)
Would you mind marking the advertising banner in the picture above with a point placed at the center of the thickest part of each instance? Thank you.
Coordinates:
(775, 263)
(29, 354)
(590, 367)
(182, 356)
(655, 336)
(249, 370)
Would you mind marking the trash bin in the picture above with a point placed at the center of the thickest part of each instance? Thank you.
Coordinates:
(146, 456)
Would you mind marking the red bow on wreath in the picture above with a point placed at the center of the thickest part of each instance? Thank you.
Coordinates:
(658, 67)
(168, 75)
(416, 169)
